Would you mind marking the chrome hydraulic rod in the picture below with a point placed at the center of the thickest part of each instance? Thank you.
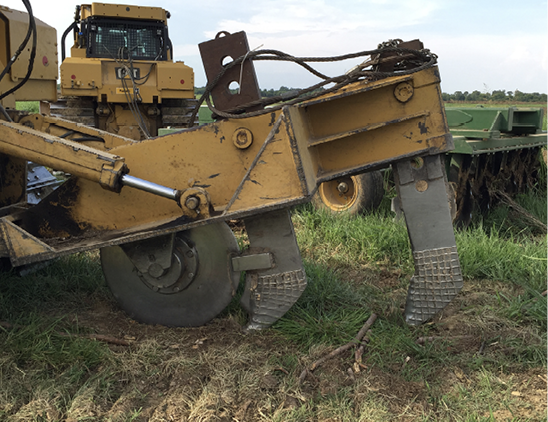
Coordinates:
(150, 187)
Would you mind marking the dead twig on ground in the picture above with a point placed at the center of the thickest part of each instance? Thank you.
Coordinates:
(482, 348)
(524, 214)
(334, 353)
(359, 337)
(423, 340)
(98, 337)
(350, 373)
(279, 368)
(359, 353)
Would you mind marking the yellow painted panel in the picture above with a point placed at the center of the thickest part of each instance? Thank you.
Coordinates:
(79, 74)
(204, 157)
(274, 178)
(123, 11)
(175, 76)
(124, 91)
(42, 84)
(19, 243)
(45, 65)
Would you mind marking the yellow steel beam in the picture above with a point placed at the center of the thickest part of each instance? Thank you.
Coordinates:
(66, 129)
(74, 158)
(365, 126)
(236, 167)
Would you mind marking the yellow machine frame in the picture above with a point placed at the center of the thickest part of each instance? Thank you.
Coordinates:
(96, 77)
(43, 79)
(234, 167)
(156, 208)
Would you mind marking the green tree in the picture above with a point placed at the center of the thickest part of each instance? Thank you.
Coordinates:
(498, 95)
(459, 96)
(474, 96)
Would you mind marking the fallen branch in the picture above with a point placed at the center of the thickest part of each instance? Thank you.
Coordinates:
(365, 328)
(350, 373)
(98, 337)
(304, 374)
(525, 215)
(341, 349)
(482, 348)
(334, 353)
(359, 353)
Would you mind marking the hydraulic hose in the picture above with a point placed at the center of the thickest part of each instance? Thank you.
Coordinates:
(31, 30)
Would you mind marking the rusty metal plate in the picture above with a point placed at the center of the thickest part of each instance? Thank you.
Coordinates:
(226, 48)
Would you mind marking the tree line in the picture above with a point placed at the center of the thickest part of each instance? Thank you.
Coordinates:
(265, 93)
(474, 96)
(495, 96)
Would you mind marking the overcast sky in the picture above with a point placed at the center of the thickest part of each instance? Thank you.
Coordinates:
(481, 45)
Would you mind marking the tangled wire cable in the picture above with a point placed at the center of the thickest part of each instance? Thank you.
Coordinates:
(404, 57)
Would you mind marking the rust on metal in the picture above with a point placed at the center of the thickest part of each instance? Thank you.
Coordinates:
(61, 154)
(360, 128)
(222, 50)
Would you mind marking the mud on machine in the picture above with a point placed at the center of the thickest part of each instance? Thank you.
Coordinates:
(157, 208)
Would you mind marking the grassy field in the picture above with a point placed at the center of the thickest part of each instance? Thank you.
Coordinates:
(484, 358)
(68, 353)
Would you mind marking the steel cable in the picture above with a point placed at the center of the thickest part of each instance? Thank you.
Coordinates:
(31, 31)
(421, 59)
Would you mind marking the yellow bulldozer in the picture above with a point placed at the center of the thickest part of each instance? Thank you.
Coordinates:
(120, 76)
(157, 208)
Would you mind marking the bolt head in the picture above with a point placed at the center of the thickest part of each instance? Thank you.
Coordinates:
(155, 270)
(342, 187)
(192, 202)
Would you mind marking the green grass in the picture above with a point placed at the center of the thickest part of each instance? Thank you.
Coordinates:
(354, 266)
(62, 281)
(30, 106)
(329, 312)
(204, 114)
(373, 240)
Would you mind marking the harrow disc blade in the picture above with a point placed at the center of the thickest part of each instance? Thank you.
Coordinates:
(212, 285)
(480, 179)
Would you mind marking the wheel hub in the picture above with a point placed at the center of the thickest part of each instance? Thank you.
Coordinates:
(178, 276)
(184, 285)
(342, 187)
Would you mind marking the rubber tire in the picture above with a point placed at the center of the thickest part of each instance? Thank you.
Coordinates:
(203, 300)
(364, 194)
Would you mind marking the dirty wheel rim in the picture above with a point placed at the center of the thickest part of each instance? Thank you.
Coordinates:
(339, 194)
(211, 290)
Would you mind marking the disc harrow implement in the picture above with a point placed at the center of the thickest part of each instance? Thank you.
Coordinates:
(496, 150)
